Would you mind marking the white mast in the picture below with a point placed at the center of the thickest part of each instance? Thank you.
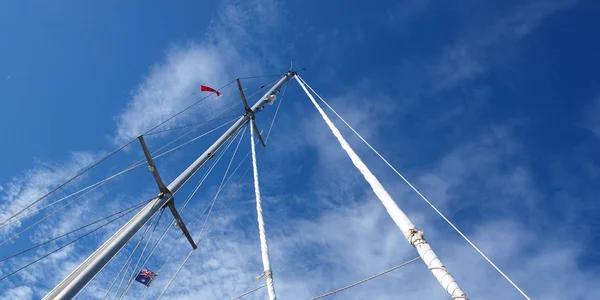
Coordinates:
(413, 236)
(264, 248)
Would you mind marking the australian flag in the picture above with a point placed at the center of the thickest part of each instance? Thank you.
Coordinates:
(145, 277)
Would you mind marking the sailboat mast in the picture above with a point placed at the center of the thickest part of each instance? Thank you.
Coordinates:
(88, 269)
(414, 237)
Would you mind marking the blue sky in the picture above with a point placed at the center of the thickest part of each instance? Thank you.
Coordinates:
(491, 109)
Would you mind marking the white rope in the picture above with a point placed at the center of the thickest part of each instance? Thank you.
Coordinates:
(367, 279)
(407, 228)
(420, 194)
(261, 225)
(249, 292)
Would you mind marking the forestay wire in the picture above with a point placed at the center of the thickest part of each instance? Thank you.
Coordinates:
(419, 193)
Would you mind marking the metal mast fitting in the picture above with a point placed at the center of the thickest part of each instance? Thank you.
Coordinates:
(250, 112)
(165, 192)
(88, 269)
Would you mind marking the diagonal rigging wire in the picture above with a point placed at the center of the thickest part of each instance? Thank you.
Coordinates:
(135, 165)
(67, 182)
(367, 279)
(46, 217)
(218, 116)
(86, 169)
(236, 188)
(276, 111)
(92, 188)
(96, 185)
(222, 181)
(420, 194)
(229, 196)
(126, 210)
(67, 244)
(192, 140)
(262, 76)
(249, 292)
(187, 108)
(135, 268)
(169, 226)
(175, 192)
(127, 263)
(238, 185)
(193, 124)
(187, 201)
(202, 236)
(63, 207)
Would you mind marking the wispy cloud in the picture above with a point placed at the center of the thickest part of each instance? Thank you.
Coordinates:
(472, 56)
(335, 231)
(591, 117)
(18, 293)
(232, 46)
(30, 185)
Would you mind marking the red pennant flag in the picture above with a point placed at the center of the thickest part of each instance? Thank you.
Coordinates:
(209, 89)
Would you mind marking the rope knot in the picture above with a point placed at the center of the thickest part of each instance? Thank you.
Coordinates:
(266, 273)
(416, 237)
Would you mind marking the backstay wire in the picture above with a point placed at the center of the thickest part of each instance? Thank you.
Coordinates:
(419, 193)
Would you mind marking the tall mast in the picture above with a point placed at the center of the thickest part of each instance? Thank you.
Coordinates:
(414, 237)
(87, 270)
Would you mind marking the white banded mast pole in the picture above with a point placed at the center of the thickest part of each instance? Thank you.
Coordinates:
(264, 248)
(414, 236)
(87, 270)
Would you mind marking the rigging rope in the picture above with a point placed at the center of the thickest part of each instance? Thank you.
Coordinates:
(65, 245)
(261, 225)
(222, 181)
(88, 168)
(135, 269)
(194, 139)
(184, 206)
(367, 279)
(98, 184)
(193, 124)
(262, 76)
(420, 194)
(237, 187)
(126, 210)
(249, 292)
(185, 109)
(126, 266)
(6, 221)
(413, 236)
(68, 181)
(202, 236)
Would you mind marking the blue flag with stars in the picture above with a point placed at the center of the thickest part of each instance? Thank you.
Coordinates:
(145, 277)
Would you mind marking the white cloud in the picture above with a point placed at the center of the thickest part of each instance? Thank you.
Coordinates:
(18, 293)
(341, 233)
(591, 117)
(472, 56)
(233, 47)
(32, 184)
